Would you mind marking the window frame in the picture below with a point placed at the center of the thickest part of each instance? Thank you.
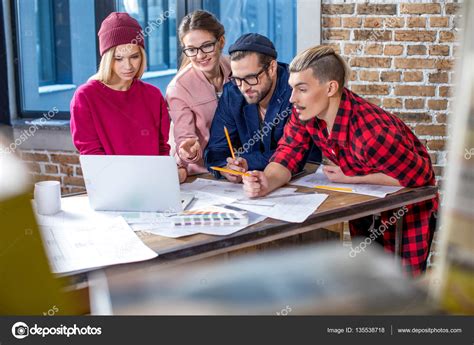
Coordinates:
(101, 9)
(10, 101)
(5, 114)
(166, 65)
(47, 91)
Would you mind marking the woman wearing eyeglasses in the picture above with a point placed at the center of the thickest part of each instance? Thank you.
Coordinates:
(193, 94)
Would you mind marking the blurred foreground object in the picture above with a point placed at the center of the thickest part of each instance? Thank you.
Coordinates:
(321, 279)
(452, 283)
(27, 285)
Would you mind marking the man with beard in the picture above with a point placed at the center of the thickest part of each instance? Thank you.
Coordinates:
(254, 108)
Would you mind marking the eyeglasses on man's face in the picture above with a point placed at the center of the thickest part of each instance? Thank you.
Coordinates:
(205, 48)
(250, 80)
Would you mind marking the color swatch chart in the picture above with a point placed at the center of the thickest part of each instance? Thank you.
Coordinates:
(209, 218)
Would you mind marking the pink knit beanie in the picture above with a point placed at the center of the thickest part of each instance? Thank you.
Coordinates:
(119, 28)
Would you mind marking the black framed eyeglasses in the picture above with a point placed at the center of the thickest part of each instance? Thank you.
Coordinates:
(250, 80)
(205, 48)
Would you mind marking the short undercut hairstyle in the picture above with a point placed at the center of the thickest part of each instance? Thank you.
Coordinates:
(325, 63)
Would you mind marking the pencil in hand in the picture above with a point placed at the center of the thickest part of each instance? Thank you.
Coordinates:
(228, 142)
(230, 171)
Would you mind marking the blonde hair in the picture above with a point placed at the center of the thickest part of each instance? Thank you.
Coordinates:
(105, 71)
(325, 63)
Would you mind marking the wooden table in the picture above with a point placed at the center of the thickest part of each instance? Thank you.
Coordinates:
(338, 207)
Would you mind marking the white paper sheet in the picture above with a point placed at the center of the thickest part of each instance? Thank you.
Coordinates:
(180, 231)
(320, 179)
(211, 192)
(203, 200)
(266, 200)
(142, 217)
(78, 238)
(293, 209)
(228, 191)
(154, 222)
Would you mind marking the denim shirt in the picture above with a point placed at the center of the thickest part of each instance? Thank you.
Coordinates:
(252, 140)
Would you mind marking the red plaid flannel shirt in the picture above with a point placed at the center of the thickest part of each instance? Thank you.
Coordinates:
(365, 139)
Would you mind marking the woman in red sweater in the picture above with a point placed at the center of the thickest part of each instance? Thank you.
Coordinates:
(115, 113)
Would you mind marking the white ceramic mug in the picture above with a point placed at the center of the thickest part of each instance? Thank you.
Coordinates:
(48, 197)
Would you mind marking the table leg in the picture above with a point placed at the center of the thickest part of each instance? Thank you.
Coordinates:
(398, 238)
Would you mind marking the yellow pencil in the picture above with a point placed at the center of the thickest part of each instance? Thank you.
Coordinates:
(228, 142)
(230, 171)
(337, 189)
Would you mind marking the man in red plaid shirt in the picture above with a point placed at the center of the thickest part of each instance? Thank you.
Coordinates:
(366, 144)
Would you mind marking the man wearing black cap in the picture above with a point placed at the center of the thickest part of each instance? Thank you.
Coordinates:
(254, 108)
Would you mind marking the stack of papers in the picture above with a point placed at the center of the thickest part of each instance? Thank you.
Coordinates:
(320, 179)
(283, 204)
(78, 238)
(294, 208)
(159, 224)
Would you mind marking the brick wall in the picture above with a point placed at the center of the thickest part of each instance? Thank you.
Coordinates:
(401, 55)
(62, 166)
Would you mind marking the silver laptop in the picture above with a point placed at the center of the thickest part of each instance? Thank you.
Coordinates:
(133, 183)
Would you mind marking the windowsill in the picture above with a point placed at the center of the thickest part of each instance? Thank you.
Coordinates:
(65, 87)
(51, 135)
(55, 88)
(49, 124)
(157, 74)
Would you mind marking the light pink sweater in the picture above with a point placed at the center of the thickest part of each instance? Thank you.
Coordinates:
(192, 102)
